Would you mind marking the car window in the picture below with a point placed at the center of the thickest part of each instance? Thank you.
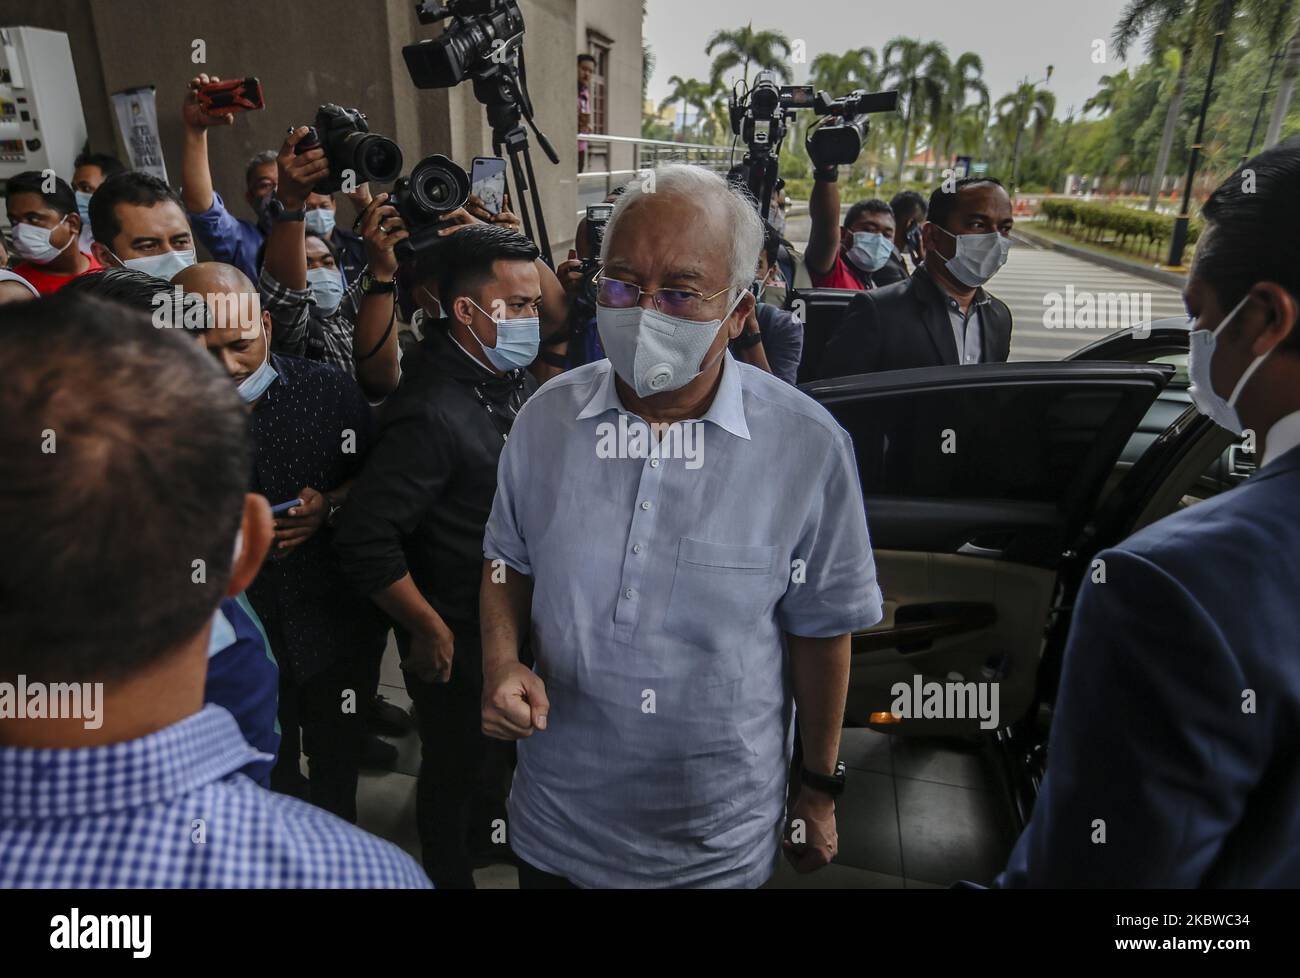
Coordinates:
(1026, 442)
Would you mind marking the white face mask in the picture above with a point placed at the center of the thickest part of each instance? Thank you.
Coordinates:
(653, 352)
(977, 256)
(1200, 357)
(326, 285)
(33, 243)
(165, 266)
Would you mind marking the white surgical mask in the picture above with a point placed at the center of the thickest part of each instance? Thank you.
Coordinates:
(1200, 356)
(165, 266)
(977, 256)
(83, 207)
(326, 286)
(653, 352)
(33, 243)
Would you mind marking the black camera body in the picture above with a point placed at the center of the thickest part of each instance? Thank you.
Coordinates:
(838, 140)
(349, 145)
(435, 188)
(481, 35)
(759, 116)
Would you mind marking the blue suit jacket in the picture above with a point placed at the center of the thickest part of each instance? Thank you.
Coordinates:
(1177, 729)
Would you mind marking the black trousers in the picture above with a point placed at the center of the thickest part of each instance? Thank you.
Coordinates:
(331, 735)
(460, 799)
(532, 878)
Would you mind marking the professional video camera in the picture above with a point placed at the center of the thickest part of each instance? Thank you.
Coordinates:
(349, 144)
(839, 137)
(483, 41)
(435, 188)
(760, 117)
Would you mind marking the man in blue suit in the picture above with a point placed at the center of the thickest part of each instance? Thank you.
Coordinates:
(1173, 759)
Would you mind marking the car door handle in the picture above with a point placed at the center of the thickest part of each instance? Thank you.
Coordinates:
(916, 626)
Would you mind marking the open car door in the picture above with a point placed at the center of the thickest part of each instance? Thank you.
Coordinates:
(977, 480)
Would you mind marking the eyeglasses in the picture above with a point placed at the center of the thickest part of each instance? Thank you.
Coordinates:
(614, 293)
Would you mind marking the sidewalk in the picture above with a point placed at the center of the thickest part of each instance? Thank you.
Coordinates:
(1133, 266)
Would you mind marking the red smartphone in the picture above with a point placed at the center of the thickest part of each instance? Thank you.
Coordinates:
(229, 97)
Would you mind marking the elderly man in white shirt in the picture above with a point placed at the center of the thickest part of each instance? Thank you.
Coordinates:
(682, 538)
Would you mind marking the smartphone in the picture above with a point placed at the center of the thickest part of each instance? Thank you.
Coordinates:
(487, 181)
(285, 507)
(229, 97)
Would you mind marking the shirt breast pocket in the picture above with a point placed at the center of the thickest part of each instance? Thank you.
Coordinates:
(719, 592)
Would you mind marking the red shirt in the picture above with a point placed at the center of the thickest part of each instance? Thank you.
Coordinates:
(47, 283)
(839, 277)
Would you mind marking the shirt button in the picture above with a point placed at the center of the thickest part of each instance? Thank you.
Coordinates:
(636, 548)
(646, 504)
(627, 593)
(654, 463)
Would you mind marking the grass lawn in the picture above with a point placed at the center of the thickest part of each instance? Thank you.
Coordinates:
(1101, 247)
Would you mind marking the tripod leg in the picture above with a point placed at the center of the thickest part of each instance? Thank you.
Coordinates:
(521, 189)
(542, 240)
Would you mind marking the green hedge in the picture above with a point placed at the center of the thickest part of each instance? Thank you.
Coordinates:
(1126, 227)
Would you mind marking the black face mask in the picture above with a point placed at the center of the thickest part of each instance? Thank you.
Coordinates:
(263, 211)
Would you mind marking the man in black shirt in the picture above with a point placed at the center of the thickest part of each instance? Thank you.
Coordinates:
(411, 534)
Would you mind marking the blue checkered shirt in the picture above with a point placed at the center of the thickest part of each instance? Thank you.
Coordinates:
(171, 810)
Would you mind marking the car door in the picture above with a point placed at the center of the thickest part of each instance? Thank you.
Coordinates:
(976, 481)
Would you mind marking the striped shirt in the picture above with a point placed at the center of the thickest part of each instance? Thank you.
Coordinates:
(171, 810)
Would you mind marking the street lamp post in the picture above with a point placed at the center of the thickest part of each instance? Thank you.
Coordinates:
(1178, 239)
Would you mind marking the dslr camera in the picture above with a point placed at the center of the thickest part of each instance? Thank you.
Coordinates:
(349, 144)
(435, 188)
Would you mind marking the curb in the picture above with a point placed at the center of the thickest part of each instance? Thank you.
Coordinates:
(1118, 264)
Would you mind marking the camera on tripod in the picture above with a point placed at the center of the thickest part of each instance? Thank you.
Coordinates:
(759, 116)
(349, 145)
(435, 188)
(482, 35)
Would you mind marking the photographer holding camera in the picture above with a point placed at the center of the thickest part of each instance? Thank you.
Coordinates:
(302, 282)
(847, 256)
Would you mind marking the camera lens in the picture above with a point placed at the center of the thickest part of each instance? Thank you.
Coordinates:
(372, 157)
(438, 186)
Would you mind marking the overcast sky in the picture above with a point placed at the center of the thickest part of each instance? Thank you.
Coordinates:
(1016, 38)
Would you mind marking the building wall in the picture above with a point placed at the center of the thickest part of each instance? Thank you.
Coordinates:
(619, 20)
(305, 54)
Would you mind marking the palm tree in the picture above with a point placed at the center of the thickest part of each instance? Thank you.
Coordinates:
(743, 47)
(918, 69)
(692, 94)
(839, 74)
(965, 75)
(1028, 106)
(1276, 14)
(1108, 92)
(1185, 24)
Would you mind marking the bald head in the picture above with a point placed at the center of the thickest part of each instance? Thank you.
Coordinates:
(239, 331)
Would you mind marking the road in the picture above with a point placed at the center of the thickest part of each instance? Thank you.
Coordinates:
(1030, 283)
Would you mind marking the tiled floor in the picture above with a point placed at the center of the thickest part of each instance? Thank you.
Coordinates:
(914, 814)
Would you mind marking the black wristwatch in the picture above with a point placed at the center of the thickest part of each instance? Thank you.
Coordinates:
(372, 286)
(832, 785)
(826, 174)
(746, 340)
(278, 212)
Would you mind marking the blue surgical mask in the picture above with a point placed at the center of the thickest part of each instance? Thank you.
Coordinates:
(320, 221)
(517, 341)
(255, 384)
(870, 250)
(326, 286)
(165, 266)
(83, 208)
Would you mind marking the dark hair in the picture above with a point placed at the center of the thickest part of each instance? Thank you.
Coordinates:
(120, 534)
(1249, 233)
(586, 57)
(109, 166)
(905, 203)
(873, 206)
(62, 199)
(942, 202)
(261, 159)
(132, 187)
(464, 260)
(334, 252)
(140, 291)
